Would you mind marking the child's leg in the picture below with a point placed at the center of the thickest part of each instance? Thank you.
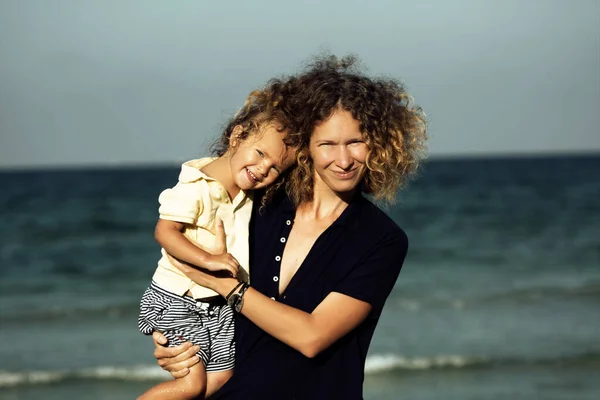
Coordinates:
(216, 380)
(222, 348)
(191, 386)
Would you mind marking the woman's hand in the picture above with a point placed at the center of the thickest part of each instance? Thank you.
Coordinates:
(177, 360)
(221, 285)
(197, 275)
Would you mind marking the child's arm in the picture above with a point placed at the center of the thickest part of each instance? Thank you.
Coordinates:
(169, 234)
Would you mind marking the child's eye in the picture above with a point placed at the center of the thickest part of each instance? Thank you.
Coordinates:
(260, 153)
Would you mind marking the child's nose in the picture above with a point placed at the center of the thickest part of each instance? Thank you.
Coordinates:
(265, 166)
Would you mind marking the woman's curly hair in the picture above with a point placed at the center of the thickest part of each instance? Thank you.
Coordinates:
(394, 128)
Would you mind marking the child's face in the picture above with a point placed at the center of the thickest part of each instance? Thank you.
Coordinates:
(258, 161)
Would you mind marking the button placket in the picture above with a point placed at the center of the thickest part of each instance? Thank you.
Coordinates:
(284, 232)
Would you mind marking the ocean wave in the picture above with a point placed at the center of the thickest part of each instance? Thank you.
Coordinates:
(59, 313)
(387, 362)
(589, 291)
(376, 364)
(133, 373)
(391, 362)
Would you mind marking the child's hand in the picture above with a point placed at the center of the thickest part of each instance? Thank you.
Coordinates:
(222, 262)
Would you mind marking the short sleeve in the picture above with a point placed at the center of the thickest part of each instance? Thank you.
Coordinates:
(373, 278)
(182, 203)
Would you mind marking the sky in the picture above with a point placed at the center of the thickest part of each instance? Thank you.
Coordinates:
(117, 82)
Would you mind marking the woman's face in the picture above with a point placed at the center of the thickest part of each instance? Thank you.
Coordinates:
(338, 151)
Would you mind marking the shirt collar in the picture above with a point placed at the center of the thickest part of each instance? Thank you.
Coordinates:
(190, 170)
(350, 217)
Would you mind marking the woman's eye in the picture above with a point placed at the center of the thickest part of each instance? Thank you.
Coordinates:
(260, 153)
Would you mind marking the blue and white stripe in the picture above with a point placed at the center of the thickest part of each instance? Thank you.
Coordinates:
(181, 318)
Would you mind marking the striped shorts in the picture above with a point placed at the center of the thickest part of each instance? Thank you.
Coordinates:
(183, 319)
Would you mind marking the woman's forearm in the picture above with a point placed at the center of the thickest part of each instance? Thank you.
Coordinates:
(309, 333)
(290, 325)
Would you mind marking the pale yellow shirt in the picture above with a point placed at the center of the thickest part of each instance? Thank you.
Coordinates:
(197, 201)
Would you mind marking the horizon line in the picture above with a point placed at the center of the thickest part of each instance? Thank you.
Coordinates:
(448, 157)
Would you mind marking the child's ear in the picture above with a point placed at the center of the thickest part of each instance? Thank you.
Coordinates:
(236, 136)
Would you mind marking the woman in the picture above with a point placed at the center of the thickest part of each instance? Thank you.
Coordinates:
(323, 258)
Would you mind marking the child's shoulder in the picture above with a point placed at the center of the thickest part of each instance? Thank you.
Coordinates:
(191, 171)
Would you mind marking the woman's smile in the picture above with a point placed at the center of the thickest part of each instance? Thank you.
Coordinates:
(344, 175)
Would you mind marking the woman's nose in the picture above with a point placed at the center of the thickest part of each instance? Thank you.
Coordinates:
(344, 158)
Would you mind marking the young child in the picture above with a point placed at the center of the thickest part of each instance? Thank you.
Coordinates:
(252, 155)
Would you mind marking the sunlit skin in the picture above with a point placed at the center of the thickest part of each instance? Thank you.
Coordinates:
(338, 151)
(253, 163)
(249, 164)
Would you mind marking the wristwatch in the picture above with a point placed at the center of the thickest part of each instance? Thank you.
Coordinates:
(236, 300)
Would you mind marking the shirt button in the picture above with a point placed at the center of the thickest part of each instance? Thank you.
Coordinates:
(275, 278)
(288, 222)
(282, 240)
(277, 258)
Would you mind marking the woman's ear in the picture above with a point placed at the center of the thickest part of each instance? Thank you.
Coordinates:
(236, 136)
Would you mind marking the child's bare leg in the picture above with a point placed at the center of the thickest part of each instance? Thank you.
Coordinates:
(216, 380)
(191, 386)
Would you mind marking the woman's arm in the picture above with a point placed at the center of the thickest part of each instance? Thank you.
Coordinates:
(309, 333)
(169, 234)
(342, 310)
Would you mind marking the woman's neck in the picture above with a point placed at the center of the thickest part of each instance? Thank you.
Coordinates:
(326, 204)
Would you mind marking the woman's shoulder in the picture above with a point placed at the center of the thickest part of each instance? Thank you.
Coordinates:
(372, 216)
(368, 228)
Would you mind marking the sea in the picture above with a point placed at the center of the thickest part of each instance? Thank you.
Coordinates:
(499, 297)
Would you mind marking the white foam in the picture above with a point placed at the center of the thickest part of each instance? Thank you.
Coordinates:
(8, 379)
(386, 362)
(374, 364)
(133, 373)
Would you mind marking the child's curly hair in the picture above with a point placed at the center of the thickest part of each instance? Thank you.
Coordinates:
(261, 109)
(394, 128)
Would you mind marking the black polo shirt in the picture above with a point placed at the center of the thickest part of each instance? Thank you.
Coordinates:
(359, 255)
